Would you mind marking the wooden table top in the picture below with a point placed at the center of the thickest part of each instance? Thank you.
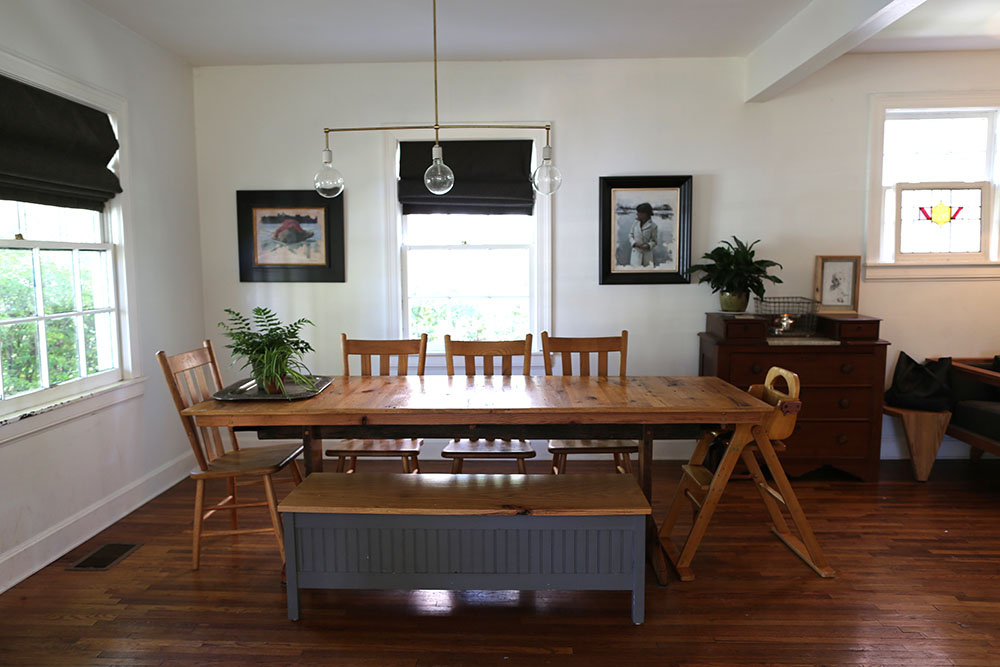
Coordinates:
(447, 400)
(467, 495)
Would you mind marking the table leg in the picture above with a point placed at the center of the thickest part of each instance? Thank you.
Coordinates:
(653, 550)
(313, 453)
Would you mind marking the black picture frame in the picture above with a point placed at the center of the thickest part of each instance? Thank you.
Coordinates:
(670, 200)
(293, 236)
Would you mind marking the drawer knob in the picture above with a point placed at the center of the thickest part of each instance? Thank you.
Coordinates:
(844, 403)
(841, 439)
(847, 368)
(756, 368)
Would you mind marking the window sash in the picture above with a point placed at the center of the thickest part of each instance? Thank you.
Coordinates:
(50, 392)
(530, 249)
(952, 257)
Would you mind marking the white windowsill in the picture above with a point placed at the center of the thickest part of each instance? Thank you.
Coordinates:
(903, 272)
(18, 425)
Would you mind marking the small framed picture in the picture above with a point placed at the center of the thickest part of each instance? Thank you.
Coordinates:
(645, 229)
(290, 236)
(837, 283)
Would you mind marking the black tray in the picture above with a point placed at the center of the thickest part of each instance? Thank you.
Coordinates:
(246, 390)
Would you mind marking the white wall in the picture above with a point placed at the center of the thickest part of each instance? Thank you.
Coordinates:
(791, 171)
(61, 485)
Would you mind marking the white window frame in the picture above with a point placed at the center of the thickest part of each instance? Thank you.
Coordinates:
(116, 221)
(882, 258)
(541, 261)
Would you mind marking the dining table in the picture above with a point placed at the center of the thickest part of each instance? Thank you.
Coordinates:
(641, 408)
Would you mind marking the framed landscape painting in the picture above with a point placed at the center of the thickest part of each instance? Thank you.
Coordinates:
(645, 229)
(290, 236)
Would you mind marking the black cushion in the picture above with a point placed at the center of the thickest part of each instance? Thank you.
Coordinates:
(980, 417)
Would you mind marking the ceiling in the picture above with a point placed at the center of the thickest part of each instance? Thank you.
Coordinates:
(260, 32)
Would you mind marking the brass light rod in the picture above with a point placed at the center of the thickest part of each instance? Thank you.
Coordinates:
(547, 128)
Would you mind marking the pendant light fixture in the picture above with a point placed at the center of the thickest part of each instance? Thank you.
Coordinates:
(439, 178)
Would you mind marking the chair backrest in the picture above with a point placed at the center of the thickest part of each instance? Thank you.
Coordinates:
(781, 422)
(486, 351)
(385, 351)
(193, 377)
(564, 350)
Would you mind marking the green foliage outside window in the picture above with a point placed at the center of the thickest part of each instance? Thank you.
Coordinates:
(19, 344)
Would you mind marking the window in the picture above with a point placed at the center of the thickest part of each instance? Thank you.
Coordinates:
(58, 316)
(477, 273)
(931, 209)
(471, 276)
(63, 283)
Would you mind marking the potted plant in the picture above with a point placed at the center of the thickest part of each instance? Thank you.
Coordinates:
(734, 273)
(272, 350)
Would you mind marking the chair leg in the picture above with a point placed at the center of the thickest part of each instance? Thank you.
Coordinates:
(521, 468)
(272, 508)
(353, 465)
(341, 461)
(415, 464)
(555, 464)
(406, 464)
(456, 465)
(234, 518)
(293, 467)
(627, 461)
(199, 505)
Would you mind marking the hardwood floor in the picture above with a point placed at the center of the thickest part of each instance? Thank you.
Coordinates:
(918, 582)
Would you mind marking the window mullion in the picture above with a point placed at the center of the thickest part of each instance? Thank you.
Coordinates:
(43, 350)
(81, 355)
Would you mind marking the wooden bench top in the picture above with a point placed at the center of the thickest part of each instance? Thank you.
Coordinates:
(465, 495)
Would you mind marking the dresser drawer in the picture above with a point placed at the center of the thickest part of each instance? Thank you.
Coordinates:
(813, 369)
(829, 439)
(836, 402)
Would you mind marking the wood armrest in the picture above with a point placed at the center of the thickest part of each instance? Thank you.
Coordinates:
(983, 375)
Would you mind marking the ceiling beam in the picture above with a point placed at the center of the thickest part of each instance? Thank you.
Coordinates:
(816, 36)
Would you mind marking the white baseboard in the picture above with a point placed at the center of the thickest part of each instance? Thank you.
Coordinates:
(23, 560)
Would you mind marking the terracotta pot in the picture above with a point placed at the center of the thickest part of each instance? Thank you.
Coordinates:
(733, 302)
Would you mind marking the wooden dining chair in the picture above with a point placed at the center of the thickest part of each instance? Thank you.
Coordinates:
(480, 356)
(193, 377)
(563, 351)
(385, 352)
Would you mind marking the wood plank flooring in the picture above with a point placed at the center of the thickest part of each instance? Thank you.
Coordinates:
(918, 584)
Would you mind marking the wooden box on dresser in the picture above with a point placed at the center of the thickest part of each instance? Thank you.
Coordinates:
(842, 370)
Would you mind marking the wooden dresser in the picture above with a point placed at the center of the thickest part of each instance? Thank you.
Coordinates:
(842, 370)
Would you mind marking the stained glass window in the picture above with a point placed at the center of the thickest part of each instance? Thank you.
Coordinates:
(940, 218)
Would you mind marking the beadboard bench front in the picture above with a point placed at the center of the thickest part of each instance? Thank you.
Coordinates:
(466, 532)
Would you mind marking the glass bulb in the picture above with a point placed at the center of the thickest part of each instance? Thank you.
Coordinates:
(328, 181)
(546, 179)
(439, 178)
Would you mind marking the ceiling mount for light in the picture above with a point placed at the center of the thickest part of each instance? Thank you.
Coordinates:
(439, 178)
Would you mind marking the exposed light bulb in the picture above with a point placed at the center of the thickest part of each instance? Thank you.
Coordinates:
(328, 181)
(439, 178)
(546, 179)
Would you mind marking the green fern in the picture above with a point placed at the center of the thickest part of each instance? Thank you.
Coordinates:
(272, 350)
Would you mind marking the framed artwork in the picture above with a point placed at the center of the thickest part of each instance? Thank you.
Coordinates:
(837, 283)
(645, 229)
(290, 236)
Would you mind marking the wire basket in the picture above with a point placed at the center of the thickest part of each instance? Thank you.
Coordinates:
(788, 315)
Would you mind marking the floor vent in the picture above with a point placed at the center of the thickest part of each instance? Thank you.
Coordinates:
(104, 557)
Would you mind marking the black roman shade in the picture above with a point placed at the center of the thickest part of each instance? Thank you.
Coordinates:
(491, 177)
(53, 150)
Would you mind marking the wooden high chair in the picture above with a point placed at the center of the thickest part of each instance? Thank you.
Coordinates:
(704, 489)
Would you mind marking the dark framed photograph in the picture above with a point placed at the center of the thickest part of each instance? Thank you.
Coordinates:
(291, 236)
(837, 283)
(645, 229)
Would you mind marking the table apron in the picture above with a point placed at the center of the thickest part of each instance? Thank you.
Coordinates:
(507, 431)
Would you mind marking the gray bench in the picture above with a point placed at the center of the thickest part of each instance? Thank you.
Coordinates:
(466, 532)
